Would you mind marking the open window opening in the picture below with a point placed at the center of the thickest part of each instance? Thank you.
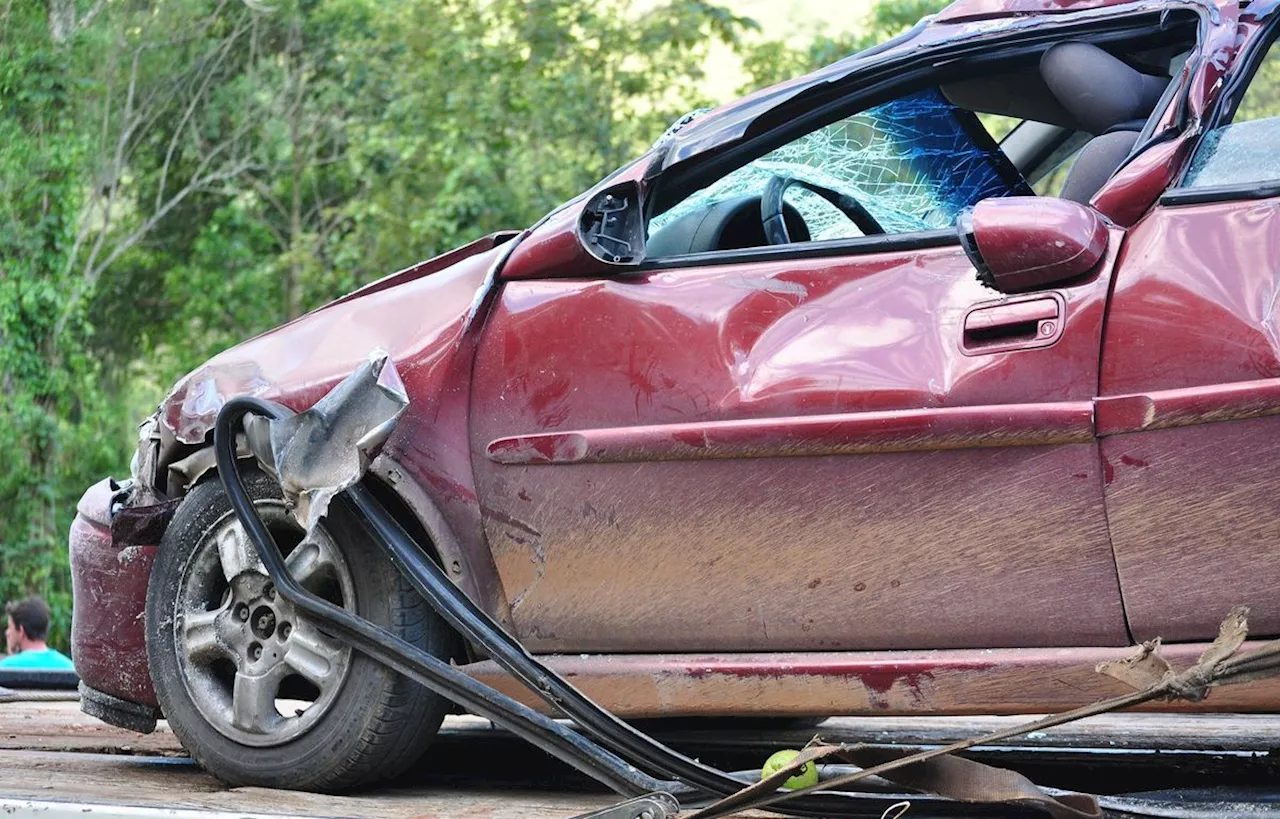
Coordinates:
(1057, 120)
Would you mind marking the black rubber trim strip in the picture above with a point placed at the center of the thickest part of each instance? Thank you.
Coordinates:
(118, 712)
(38, 678)
(1221, 193)
(381, 645)
(476, 625)
(862, 246)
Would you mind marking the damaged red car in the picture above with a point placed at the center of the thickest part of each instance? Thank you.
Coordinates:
(919, 384)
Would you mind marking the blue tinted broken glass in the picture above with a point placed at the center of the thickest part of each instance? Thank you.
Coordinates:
(914, 163)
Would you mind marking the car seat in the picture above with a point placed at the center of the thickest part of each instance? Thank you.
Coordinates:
(1107, 98)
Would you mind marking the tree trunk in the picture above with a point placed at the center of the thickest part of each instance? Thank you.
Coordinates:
(293, 279)
(62, 20)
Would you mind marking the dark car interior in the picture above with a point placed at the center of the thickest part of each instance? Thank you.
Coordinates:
(1080, 109)
(1079, 88)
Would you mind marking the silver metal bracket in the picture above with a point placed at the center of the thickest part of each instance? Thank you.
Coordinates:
(651, 806)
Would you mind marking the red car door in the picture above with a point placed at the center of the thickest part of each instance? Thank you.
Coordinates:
(845, 443)
(1191, 378)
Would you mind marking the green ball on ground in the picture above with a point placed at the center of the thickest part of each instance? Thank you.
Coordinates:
(806, 777)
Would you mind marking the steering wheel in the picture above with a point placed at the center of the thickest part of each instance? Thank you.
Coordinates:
(775, 227)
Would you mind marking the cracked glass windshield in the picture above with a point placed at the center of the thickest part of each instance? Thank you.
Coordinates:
(914, 163)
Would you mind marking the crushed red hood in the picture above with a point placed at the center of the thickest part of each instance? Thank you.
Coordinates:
(423, 306)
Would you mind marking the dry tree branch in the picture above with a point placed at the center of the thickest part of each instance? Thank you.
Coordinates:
(90, 15)
(196, 98)
(144, 107)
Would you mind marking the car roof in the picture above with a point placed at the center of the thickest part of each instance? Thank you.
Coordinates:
(962, 20)
(981, 9)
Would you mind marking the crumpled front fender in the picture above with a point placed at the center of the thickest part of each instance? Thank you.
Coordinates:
(417, 316)
(428, 325)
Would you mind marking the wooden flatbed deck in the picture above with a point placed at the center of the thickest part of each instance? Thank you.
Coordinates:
(52, 752)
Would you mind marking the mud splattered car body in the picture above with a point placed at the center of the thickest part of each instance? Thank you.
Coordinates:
(829, 475)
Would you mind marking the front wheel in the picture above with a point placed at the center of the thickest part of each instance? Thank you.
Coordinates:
(256, 692)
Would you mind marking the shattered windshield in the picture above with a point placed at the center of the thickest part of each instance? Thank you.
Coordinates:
(914, 163)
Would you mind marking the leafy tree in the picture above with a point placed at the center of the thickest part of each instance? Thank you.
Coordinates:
(544, 97)
(177, 176)
(772, 61)
(49, 385)
(389, 133)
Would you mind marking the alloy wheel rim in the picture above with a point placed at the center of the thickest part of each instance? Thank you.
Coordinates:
(258, 672)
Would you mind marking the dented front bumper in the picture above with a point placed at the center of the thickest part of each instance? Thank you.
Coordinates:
(112, 549)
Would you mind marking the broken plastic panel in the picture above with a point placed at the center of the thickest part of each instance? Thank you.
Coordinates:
(915, 163)
(352, 422)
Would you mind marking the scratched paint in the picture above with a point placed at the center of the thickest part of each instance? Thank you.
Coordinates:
(1193, 340)
(700, 539)
(109, 647)
(1000, 681)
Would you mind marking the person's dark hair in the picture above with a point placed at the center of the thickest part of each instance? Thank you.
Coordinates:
(31, 614)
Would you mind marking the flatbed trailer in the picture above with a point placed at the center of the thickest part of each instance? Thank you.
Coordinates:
(56, 762)
(51, 753)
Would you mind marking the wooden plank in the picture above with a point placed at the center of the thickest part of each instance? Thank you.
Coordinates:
(50, 809)
(475, 770)
(1137, 732)
(173, 783)
(62, 726)
(472, 771)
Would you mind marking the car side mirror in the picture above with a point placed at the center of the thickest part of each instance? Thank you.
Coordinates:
(602, 234)
(612, 225)
(1031, 242)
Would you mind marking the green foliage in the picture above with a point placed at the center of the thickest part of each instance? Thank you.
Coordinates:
(1261, 99)
(50, 419)
(177, 176)
(772, 61)
(544, 98)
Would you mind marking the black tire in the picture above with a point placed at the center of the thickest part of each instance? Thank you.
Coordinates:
(374, 723)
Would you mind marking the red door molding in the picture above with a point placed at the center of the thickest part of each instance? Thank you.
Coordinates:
(1067, 422)
(1189, 406)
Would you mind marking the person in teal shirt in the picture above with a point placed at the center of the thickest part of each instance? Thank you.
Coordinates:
(24, 637)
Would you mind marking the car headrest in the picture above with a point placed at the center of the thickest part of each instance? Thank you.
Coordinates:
(1100, 91)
